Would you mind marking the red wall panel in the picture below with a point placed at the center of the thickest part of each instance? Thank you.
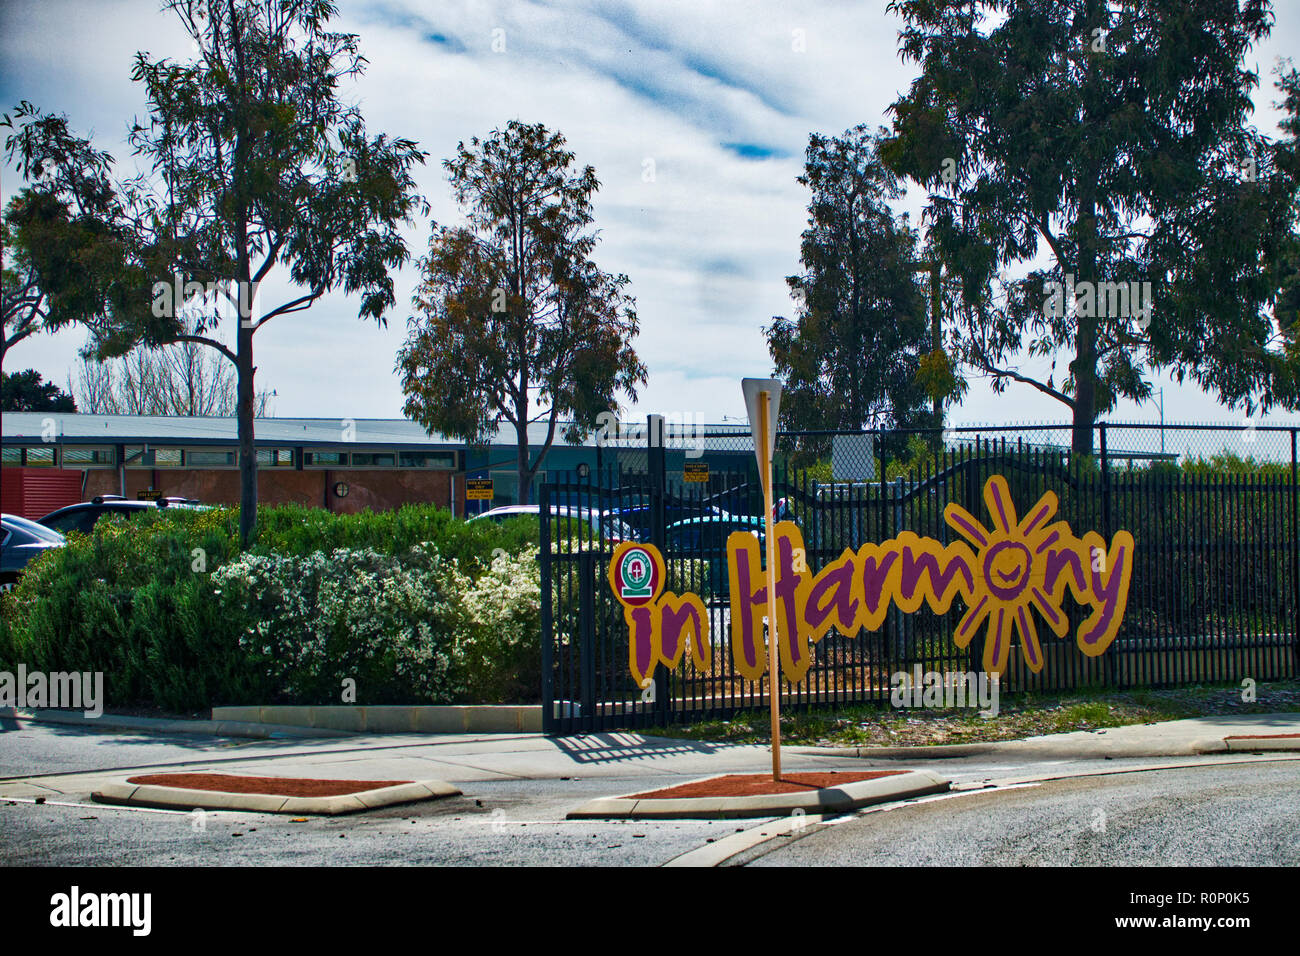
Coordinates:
(35, 492)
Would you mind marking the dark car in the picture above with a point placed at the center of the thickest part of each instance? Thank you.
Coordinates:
(706, 537)
(22, 540)
(82, 517)
(603, 524)
(637, 514)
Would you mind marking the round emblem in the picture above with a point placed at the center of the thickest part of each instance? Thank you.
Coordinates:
(636, 572)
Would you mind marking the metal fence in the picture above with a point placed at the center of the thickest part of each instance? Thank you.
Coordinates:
(1214, 595)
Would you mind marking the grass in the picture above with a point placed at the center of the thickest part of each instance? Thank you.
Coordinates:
(1025, 715)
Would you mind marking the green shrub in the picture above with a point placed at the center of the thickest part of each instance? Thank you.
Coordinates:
(295, 529)
(128, 601)
(159, 602)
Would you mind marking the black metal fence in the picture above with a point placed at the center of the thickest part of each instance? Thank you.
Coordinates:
(1214, 595)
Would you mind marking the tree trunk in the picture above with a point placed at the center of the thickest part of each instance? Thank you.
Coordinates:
(1085, 352)
(247, 445)
(1085, 387)
(521, 445)
(1085, 339)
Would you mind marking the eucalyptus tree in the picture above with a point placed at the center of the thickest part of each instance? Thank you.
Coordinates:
(513, 320)
(851, 357)
(257, 161)
(1106, 150)
(63, 245)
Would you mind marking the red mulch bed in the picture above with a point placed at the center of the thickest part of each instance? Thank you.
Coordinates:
(273, 786)
(1262, 736)
(757, 784)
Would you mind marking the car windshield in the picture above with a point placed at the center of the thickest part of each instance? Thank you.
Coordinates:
(32, 528)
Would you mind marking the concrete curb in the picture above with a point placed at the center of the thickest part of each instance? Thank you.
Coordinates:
(720, 851)
(1261, 744)
(178, 798)
(842, 799)
(214, 728)
(395, 719)
(936, 752)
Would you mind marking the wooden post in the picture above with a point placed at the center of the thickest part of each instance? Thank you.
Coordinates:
(773, 658)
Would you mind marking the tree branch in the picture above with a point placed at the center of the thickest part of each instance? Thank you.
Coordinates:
(204, 340)
(1017, 377)
(296, 305)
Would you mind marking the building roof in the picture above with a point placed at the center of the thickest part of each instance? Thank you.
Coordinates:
(75, 428)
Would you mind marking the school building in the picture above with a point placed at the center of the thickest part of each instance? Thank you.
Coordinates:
(51, 459)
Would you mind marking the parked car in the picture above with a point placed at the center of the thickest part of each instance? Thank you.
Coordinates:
(82, 517)
(706, 537)
(22, 540)
(636, 513)
(604, 525)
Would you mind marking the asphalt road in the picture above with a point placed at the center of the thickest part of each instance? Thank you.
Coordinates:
(1219, 815)
(499, 822)
(1246, 812)
(504, 823)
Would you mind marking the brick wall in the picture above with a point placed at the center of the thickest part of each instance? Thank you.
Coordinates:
(375, 490)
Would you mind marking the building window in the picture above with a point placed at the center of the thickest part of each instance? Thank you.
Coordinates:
(87, 457)
(275, 457)
(445, 460)
(367, 459)
(167, 457)
(210, 458)
(39, 457)
(505, 487)
(325, 459)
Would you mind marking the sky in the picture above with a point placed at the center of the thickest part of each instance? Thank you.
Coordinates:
(694, 114)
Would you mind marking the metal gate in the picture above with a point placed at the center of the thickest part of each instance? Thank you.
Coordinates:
(1215, 594)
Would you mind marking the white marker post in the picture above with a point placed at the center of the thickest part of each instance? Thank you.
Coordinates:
(763, 402)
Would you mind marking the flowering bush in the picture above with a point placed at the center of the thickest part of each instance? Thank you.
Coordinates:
(382, 620)
(496, 654)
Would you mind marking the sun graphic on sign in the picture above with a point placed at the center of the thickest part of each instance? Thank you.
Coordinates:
(1009, 575)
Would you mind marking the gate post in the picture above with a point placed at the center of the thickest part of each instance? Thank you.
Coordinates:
(548, 623)
(587, 632)
(657, 467)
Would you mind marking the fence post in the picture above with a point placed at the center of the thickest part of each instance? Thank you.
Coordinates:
(587, 629)
(548, 623)
(657, 466)
(1294, 545)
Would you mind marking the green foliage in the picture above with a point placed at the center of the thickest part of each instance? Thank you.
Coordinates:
(1226, 463)
(297, 530)
(125, 601)
(383, 621)
(496, 654)
(25, 392)
(1114, 139)
(414, 605)
(63, 251)
(915, 454)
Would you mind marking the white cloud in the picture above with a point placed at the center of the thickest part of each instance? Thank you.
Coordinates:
(707, 244)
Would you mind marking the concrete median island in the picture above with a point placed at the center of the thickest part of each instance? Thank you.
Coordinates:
(732, 796)
(212, 791)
